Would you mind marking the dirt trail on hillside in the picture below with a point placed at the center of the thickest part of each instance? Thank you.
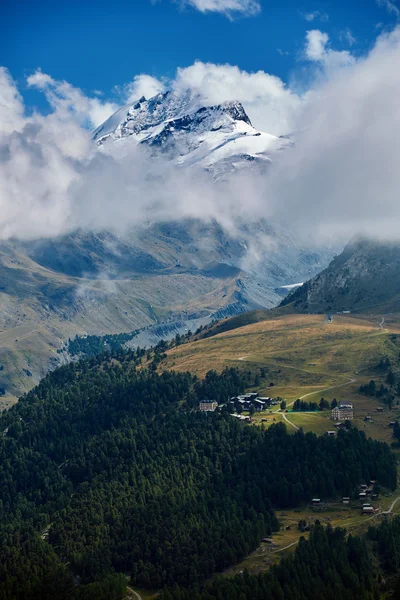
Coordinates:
(138, 596)
(332, 387)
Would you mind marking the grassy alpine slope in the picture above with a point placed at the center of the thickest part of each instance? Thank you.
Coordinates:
(303, 355)
(301, 350)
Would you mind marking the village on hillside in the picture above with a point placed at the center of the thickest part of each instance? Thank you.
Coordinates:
(236, 405)
(253, 403)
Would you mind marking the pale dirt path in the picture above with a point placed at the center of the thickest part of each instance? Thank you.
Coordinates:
(392, 506)
(305, 395)
(332, 387)
(20, 332)
(28, 334)
(138, 596)
(290, 422)
(286, 547)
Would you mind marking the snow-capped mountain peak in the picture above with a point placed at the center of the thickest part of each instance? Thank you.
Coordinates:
(217, 137)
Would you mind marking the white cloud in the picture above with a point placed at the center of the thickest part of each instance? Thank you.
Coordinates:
(69, 100)
(390, 6)
(143, 85)
(316, 14)
(316, 45)
(53, 179)
(226, 7)
(317, 49)
(38, 163)
(342, 176)
(269, 103)
(11, 105)
(347, 36)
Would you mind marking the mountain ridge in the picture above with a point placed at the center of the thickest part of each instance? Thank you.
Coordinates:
(365, 275)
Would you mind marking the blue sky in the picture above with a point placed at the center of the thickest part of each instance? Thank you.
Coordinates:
(96, 46)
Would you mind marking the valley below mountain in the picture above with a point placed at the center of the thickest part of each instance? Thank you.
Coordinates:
(161, 276)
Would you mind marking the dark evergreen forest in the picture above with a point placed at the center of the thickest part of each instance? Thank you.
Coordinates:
(93, 345)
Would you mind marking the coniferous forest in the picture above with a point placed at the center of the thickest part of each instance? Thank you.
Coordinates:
(107, 469)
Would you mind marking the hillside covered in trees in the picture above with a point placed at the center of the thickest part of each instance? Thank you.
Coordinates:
(92, 345)
(108, 468)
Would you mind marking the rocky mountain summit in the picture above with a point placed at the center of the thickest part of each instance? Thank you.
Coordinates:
(220, 138)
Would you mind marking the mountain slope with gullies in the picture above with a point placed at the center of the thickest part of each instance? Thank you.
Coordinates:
(171, 273)
(366, 275)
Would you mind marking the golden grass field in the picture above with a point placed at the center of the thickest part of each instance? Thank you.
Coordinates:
(307, 350)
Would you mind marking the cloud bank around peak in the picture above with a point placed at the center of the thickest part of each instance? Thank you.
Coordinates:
(340, 178)
(142, 85)
(270, 104)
